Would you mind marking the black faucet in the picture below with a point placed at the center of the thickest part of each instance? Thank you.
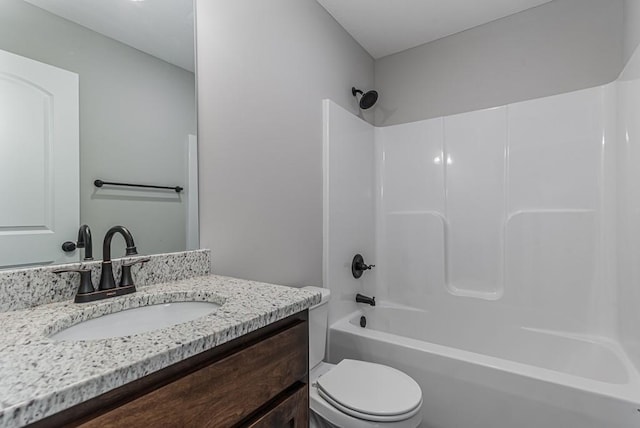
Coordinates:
(107, 288)
(360, 298)
(84, 241)
(107, 282)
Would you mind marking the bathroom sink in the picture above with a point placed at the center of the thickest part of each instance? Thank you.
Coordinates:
(137, 320)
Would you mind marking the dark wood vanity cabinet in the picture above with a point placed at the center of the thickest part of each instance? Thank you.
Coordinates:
(258, 380)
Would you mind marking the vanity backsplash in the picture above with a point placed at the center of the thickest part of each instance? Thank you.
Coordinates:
(26, 288)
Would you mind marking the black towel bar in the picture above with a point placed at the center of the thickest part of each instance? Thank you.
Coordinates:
(100, 183)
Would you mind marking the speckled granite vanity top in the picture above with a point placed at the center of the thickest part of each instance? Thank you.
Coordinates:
(40, 377)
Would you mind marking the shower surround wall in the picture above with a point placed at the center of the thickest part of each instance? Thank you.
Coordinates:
(628, 220)
(349, 198)
(505, 213)
(502, 211)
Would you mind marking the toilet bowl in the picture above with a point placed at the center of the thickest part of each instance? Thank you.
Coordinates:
(352, 393)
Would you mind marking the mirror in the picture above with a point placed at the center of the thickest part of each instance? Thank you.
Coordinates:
(135, 123)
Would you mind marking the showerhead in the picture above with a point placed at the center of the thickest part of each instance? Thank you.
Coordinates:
(367, 99)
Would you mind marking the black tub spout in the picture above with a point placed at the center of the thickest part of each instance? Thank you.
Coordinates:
(365, 299)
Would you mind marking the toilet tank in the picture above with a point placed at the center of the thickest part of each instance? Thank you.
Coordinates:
(318, 319)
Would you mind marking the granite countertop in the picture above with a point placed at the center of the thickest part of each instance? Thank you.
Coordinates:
(40, 377)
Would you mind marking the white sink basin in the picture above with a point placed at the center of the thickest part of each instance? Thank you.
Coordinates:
(137, 320)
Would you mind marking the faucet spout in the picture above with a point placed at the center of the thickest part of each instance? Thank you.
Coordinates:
(128, 239)
(84, 241)
(360, 298)
(107, 280)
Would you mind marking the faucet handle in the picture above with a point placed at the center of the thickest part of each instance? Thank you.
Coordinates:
(126, 279)
(358, 266)
(86, 285)
(135, 262)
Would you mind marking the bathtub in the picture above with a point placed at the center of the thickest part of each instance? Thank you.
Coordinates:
(511, 377)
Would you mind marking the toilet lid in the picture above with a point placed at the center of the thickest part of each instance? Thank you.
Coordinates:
(362, 388)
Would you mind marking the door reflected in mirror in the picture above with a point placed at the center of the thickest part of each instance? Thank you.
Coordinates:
(133, 121)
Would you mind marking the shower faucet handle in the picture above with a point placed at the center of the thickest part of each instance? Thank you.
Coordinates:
(364, 266)
(358, 266)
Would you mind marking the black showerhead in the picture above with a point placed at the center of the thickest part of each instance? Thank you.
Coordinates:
(367, 100)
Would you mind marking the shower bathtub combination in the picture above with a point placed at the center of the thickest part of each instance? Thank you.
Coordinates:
(506, 253)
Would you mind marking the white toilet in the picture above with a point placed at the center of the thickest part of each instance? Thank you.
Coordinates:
(356, 394)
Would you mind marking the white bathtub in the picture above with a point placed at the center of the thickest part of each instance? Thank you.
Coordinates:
(492, 375)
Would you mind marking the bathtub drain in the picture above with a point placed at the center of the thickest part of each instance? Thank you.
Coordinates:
(363, 321)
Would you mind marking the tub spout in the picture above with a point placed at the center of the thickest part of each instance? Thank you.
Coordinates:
(365, 299)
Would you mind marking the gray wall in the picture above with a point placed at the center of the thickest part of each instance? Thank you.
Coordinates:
(135, 114)
(558, 47)
(631, 27)
(263, 69)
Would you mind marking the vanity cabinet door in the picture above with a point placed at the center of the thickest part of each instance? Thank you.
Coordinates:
(291, 412)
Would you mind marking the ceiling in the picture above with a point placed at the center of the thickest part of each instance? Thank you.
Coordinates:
(162, 28)
(384, 27)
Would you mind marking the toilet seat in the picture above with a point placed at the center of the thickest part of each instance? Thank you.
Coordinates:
(370, 392)
(370, 417)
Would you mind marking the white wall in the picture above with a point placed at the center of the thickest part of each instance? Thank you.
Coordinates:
(628, 220)
(349, 207)
(136, 112)
(263, 69)
(555, 48)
